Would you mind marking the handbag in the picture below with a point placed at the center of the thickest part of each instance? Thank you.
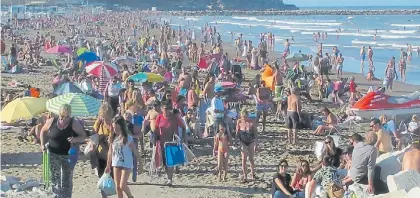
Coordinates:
(335, 191)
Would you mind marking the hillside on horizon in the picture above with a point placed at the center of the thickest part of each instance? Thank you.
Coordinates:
(189, 5)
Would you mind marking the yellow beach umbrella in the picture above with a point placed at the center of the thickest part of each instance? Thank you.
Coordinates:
(23, 109)
(81, 50)
(153, 77)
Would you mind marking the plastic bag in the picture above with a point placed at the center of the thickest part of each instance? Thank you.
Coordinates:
(89, 148)
(107, 185)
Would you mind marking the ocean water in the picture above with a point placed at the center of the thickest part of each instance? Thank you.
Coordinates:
(394, 32)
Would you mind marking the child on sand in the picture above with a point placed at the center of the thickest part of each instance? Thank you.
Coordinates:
(221, 149)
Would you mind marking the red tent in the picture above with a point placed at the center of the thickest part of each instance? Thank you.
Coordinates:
(206, 60)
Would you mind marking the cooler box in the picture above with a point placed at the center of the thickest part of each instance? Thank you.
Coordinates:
(174, 154)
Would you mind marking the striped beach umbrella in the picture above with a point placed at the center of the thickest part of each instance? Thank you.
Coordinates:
(98, 67)
(81, 104)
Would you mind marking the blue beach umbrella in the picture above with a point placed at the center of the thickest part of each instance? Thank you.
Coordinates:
(88, 57)
(66, 88)
(81, 104)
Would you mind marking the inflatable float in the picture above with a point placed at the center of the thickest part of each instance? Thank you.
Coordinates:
(376, 103)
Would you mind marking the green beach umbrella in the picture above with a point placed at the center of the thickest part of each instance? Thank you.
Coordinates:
(81, 104)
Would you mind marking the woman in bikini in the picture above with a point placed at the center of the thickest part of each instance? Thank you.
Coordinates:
(221, 149)
(246, 130)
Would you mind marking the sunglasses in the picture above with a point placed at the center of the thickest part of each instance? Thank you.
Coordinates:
(283, 165)
(371, 126)
(327, 142)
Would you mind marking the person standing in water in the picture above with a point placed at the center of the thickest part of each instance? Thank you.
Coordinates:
(402, 67)
(370, 56)
(362, 58)
(340, 61)
(287, 47)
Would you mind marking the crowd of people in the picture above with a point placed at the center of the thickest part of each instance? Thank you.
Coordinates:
(187, 109)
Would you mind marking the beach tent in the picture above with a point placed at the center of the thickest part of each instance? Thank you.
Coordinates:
(67, 87)
(23, 109)
(81, 104)
(267, 76)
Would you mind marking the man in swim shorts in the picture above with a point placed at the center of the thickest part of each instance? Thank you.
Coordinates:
(263, 103)
(293, 115)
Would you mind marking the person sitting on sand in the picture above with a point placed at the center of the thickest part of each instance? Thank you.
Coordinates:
(411, 159)
(36, 130)
(326, 176)
(302, 176)
(246, 131)
(221, 150)
(414, 125)
(333, 151)
(280, 186)
(329, 123)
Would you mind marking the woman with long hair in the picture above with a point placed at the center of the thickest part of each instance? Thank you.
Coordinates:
(302, 176)
(62, 132)
(102, 127)
(120, 156)
(246, 130)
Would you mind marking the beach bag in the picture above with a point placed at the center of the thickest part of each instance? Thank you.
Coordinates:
(106, 184)
(319, 149)
(385, 82)
(174, 154)
(335, 191)
(73, 155)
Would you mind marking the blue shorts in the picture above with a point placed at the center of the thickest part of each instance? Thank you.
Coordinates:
(263, 107)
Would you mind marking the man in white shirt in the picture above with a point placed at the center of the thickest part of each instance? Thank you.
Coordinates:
(216, 112)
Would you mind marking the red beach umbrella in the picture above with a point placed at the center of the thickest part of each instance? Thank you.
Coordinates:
(58, 49)
(96, 68)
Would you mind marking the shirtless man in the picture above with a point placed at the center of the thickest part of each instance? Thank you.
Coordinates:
(411, 159)
(150, 122)
(208, 92)
(184, 81)
(293, 115)
(263, 103)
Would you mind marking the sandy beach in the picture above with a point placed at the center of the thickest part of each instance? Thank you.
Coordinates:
(196, 180)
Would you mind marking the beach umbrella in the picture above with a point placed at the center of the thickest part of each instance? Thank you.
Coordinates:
(96, 68)
(23, 109)
(146, 77)
(81, 104)
(58, 49)
(88, 57)
(67, 87)
(81, 50)
(124, 60)
(297, 57)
